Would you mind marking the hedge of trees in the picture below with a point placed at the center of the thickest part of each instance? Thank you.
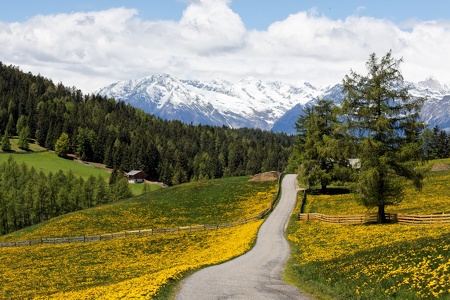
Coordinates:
(106, 131)
(28, 197)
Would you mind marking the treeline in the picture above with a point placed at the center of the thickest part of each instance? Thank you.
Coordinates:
(435, 143)
(105, 131)
(28, 197)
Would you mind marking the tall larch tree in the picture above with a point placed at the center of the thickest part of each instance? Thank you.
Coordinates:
(381, 113)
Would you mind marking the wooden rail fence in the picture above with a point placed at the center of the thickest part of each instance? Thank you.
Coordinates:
(370, 218)
(131, 233)
(142, 232)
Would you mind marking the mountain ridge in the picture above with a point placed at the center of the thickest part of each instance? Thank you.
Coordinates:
(250, 102)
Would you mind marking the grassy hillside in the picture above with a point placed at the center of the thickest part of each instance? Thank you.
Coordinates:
(374, 261)
(50, 162)
(205, 202)
(135, 267)
(33, 147)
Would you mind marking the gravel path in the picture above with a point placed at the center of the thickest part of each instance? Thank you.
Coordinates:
(257, 274)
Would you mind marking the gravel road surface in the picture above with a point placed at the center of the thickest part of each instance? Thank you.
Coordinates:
(257, 274)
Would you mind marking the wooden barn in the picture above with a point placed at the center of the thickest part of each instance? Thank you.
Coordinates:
(136, 176)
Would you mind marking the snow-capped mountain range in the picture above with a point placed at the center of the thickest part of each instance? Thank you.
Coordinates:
(268, 105)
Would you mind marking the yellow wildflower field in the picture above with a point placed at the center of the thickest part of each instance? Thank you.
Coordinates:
(375, 261)
(127, 268)
(135, 267)
(408, 260)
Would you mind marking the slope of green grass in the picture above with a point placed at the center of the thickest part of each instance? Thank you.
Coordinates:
(205, 202)
(333, 261)
(50, 162)
(33, 147)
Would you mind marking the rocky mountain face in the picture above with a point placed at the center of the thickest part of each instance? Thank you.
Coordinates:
(268, 105)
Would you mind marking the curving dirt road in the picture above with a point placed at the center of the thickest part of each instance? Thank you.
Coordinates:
(256, 274)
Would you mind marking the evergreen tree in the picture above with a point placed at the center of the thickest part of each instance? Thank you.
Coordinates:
(3, 213)
(21, 123)
(6, 144)
(115, 175)
(24, 138)
(380, 111)
(102, 192)
(120, 189)
(10, 126)
(62, 145)
(428, 144)
(320, 151)
(442, 144)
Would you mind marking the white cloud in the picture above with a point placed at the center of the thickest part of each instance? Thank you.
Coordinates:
(92, 49)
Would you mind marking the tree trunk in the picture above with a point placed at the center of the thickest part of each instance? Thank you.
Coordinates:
(381, 216)
(323, 188)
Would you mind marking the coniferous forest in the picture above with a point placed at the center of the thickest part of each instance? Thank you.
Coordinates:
(120, 136)
(28, 197)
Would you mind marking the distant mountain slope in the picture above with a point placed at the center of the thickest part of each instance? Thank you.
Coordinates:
(249, 102)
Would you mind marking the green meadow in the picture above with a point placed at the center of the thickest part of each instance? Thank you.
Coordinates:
(50, 162)
(47, 162)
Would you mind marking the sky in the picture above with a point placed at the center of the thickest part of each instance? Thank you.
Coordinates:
(90, 44)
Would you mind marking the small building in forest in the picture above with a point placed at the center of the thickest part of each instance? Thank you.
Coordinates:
(136, 176)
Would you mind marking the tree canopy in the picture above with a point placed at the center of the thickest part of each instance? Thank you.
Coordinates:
(321, 147)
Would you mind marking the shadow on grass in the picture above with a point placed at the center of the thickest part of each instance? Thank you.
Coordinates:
(329, 191)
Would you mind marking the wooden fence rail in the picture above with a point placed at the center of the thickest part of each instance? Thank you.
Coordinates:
(142, 232)
(370, 218)
(116, 235)
(424, 219)
(131, 233)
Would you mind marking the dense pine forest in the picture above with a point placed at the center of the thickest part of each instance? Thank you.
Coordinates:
(120, 136)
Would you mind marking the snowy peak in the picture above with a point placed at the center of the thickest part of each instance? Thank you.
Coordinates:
(431, 84)
(247, 103)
